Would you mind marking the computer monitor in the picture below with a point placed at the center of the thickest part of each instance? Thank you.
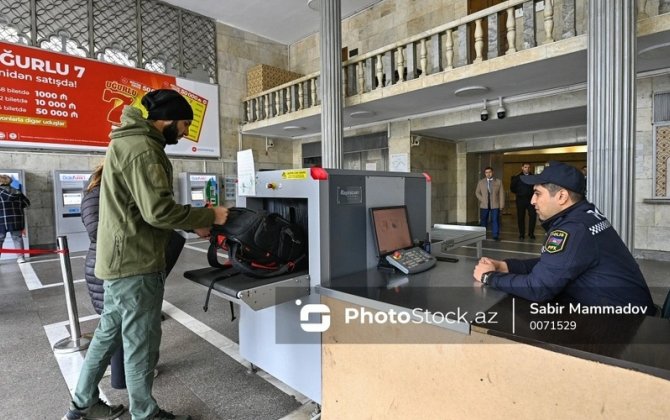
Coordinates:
(391, 228)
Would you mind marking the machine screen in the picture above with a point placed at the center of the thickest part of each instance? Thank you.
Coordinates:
(197, 195)
(71, 199)
(391, 229)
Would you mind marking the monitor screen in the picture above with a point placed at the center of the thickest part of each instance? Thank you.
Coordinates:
(197, 195)
(72, 199)
(391, 229)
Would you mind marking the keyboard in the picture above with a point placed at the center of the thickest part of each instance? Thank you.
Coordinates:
(412, 260)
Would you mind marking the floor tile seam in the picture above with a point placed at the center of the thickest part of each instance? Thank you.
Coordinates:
(231, 349)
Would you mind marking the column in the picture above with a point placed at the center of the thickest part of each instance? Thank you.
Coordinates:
(331, 84)
(611, 111)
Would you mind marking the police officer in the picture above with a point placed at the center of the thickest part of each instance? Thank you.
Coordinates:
(583, 259)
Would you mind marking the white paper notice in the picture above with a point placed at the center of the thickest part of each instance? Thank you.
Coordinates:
(399, 162)
(370, 166)
(246, 173)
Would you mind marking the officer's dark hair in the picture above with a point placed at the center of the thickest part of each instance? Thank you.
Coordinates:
(487, 168)
(553, 189)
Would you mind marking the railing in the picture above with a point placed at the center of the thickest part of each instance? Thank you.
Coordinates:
(483, 35)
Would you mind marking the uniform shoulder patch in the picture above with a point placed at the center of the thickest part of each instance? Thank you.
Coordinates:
(556, 241)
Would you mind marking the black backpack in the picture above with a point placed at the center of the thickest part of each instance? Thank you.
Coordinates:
(259, 244)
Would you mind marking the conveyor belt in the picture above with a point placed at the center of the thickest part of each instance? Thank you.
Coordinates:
(257, 293)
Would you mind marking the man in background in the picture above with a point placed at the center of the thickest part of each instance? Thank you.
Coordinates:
(524, 193)
(491, 196)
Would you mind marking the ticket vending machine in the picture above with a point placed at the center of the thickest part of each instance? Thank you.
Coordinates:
(20, 176)
(68, 192)
(198, 189)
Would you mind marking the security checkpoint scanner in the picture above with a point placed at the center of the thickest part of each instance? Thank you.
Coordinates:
(333, 206)
(69, 189)
(19, 176)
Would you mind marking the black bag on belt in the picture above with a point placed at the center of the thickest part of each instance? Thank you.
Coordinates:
(259, 244)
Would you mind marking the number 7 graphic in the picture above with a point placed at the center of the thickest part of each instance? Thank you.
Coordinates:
(120, 100)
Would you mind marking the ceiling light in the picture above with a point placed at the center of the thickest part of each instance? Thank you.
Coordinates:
(470, 91)
(314, 4)
(293, 128)
(361, 114)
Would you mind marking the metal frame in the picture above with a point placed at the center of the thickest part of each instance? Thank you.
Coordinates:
(74, 23)
(454, 236)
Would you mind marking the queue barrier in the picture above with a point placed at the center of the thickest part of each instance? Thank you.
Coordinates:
(75, 342)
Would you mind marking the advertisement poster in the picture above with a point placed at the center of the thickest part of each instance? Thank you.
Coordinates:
(57, 101)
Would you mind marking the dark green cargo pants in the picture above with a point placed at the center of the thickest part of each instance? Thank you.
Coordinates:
(132, 315)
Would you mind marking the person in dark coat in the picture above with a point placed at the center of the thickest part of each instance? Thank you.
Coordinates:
(89, 215)
(12, 218)
(524, 193)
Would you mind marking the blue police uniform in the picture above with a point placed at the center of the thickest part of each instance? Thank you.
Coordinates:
(583, 260)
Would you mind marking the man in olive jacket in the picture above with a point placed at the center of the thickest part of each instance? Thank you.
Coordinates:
(137, 214)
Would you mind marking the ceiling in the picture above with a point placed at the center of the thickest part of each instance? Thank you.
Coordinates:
(284, 21)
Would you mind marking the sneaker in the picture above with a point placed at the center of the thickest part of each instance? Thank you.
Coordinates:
(155, 372)
(166, 415)
(20, 260)
(98, 411)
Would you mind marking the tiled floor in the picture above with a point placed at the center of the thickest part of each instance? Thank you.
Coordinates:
(196, 376)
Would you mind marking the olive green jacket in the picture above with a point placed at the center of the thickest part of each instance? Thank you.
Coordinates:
(137, 206)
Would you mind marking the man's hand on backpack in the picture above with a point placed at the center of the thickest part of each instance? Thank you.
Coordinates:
(202, 232)
(220, 215)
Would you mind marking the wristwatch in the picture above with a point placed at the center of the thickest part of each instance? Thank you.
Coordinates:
(486, 277)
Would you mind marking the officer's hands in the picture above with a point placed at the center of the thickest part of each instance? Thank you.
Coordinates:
(500, 266)
(481, 268)
(220, 215)
(486, 264)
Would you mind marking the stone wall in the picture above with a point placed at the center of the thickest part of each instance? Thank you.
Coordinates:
(438, 159)
(652, 219)
(390, 21)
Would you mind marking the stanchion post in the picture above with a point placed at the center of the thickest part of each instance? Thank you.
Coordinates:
(75, 342)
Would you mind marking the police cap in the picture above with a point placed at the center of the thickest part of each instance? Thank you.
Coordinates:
(559, 173)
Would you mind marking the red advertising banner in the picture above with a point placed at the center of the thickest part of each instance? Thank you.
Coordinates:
(49, 100)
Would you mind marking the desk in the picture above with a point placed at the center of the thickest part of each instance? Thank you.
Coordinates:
(455, 370)
(449, 237)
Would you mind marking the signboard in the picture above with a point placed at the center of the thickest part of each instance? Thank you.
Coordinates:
(57, 101)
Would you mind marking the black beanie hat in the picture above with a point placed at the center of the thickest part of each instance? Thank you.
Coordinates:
(168, 105)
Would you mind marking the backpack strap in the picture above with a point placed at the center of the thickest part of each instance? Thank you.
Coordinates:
(215, 242)
(230, 273)
(259, 272)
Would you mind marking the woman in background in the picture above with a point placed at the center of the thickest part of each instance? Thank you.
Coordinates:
(89, 215)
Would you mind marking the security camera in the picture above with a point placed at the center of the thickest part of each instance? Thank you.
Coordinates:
(501, 109)
(484, 115)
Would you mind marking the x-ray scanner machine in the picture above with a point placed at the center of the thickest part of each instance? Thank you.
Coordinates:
(278, 331)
